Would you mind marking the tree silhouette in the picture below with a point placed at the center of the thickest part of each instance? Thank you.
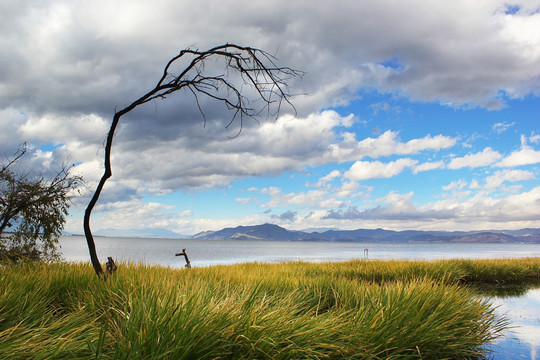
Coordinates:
(245, 69)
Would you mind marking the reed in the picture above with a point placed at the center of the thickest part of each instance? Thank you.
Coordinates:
(350, 310)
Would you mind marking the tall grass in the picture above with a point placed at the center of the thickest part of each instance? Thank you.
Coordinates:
(351, 310)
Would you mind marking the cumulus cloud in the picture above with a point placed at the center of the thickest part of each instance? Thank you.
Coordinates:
(395, 207)
(94, 58)
(484, 158)
(525, 156)
(429, 166)
(146, 215)
(496, 180)
(309, 198)
(363, 170)
(471, 213)
(459, 184)
(328, 178)
(387, 144)
(66, 66)
(246, 200)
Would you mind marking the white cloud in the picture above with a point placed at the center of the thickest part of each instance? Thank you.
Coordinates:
(363, 170)
(387, 144)
(394, 197)
(186, 213)
(56, 129)
(525, 156)
(141, 214)
(501, 127)
(349, 189)
(475, 184)
(328, 178)
(429, 166)
(307, 199)
(246, 200)
(472, 213)
(96, 56)
(484, 158)
(459, 184)
(496, 180)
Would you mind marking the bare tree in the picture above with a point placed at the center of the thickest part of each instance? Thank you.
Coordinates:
(247, 70)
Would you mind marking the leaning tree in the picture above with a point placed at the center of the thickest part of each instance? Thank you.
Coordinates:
(251, 84)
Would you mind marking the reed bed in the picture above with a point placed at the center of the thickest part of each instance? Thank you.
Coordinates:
(349, 310)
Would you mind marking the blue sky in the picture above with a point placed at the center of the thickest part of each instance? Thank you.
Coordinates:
(403, 121)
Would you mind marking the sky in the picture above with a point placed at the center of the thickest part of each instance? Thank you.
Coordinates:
(410, 114)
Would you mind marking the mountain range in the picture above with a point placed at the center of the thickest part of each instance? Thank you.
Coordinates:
(272, 232)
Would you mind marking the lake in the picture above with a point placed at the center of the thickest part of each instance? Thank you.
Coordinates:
(214, 252)
(520, 342)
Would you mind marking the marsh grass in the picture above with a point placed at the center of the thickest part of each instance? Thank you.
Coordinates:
(350, 310)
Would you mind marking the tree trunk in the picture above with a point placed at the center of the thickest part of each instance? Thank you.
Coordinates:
(106, 175)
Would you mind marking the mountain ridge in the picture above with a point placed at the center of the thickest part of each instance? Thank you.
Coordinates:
(272, 232)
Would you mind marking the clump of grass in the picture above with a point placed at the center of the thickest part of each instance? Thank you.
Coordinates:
(352, 310)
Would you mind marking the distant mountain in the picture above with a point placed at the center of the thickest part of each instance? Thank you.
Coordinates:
(258, 232)
(271, 232)
(319, 230)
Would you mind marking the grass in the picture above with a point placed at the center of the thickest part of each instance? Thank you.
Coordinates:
(349, 310)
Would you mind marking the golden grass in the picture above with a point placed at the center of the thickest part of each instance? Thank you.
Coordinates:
(349, 310)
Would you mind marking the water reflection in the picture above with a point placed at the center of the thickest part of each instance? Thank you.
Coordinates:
(522, 340)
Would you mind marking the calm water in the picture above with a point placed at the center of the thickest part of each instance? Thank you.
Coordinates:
(213, 252)
(521, 342)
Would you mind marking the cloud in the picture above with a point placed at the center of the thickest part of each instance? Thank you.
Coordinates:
(501, 127)
(496, 180)
(387, 144)
(399, 207)
(481, 208)
(380, 106)
(525, 156)
(429, 166)
(206, 158)
(186, 213)
(459, 184)
(364, 170)
(472, 213)
(98, 56)
(484, 158)
(308, 199)
(286, 216)
(145, 215)
(349, 189)
(93, 67)
(246, 200)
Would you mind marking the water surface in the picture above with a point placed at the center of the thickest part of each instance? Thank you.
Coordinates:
(214, 252)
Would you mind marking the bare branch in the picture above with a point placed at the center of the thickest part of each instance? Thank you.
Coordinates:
(247, 67)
